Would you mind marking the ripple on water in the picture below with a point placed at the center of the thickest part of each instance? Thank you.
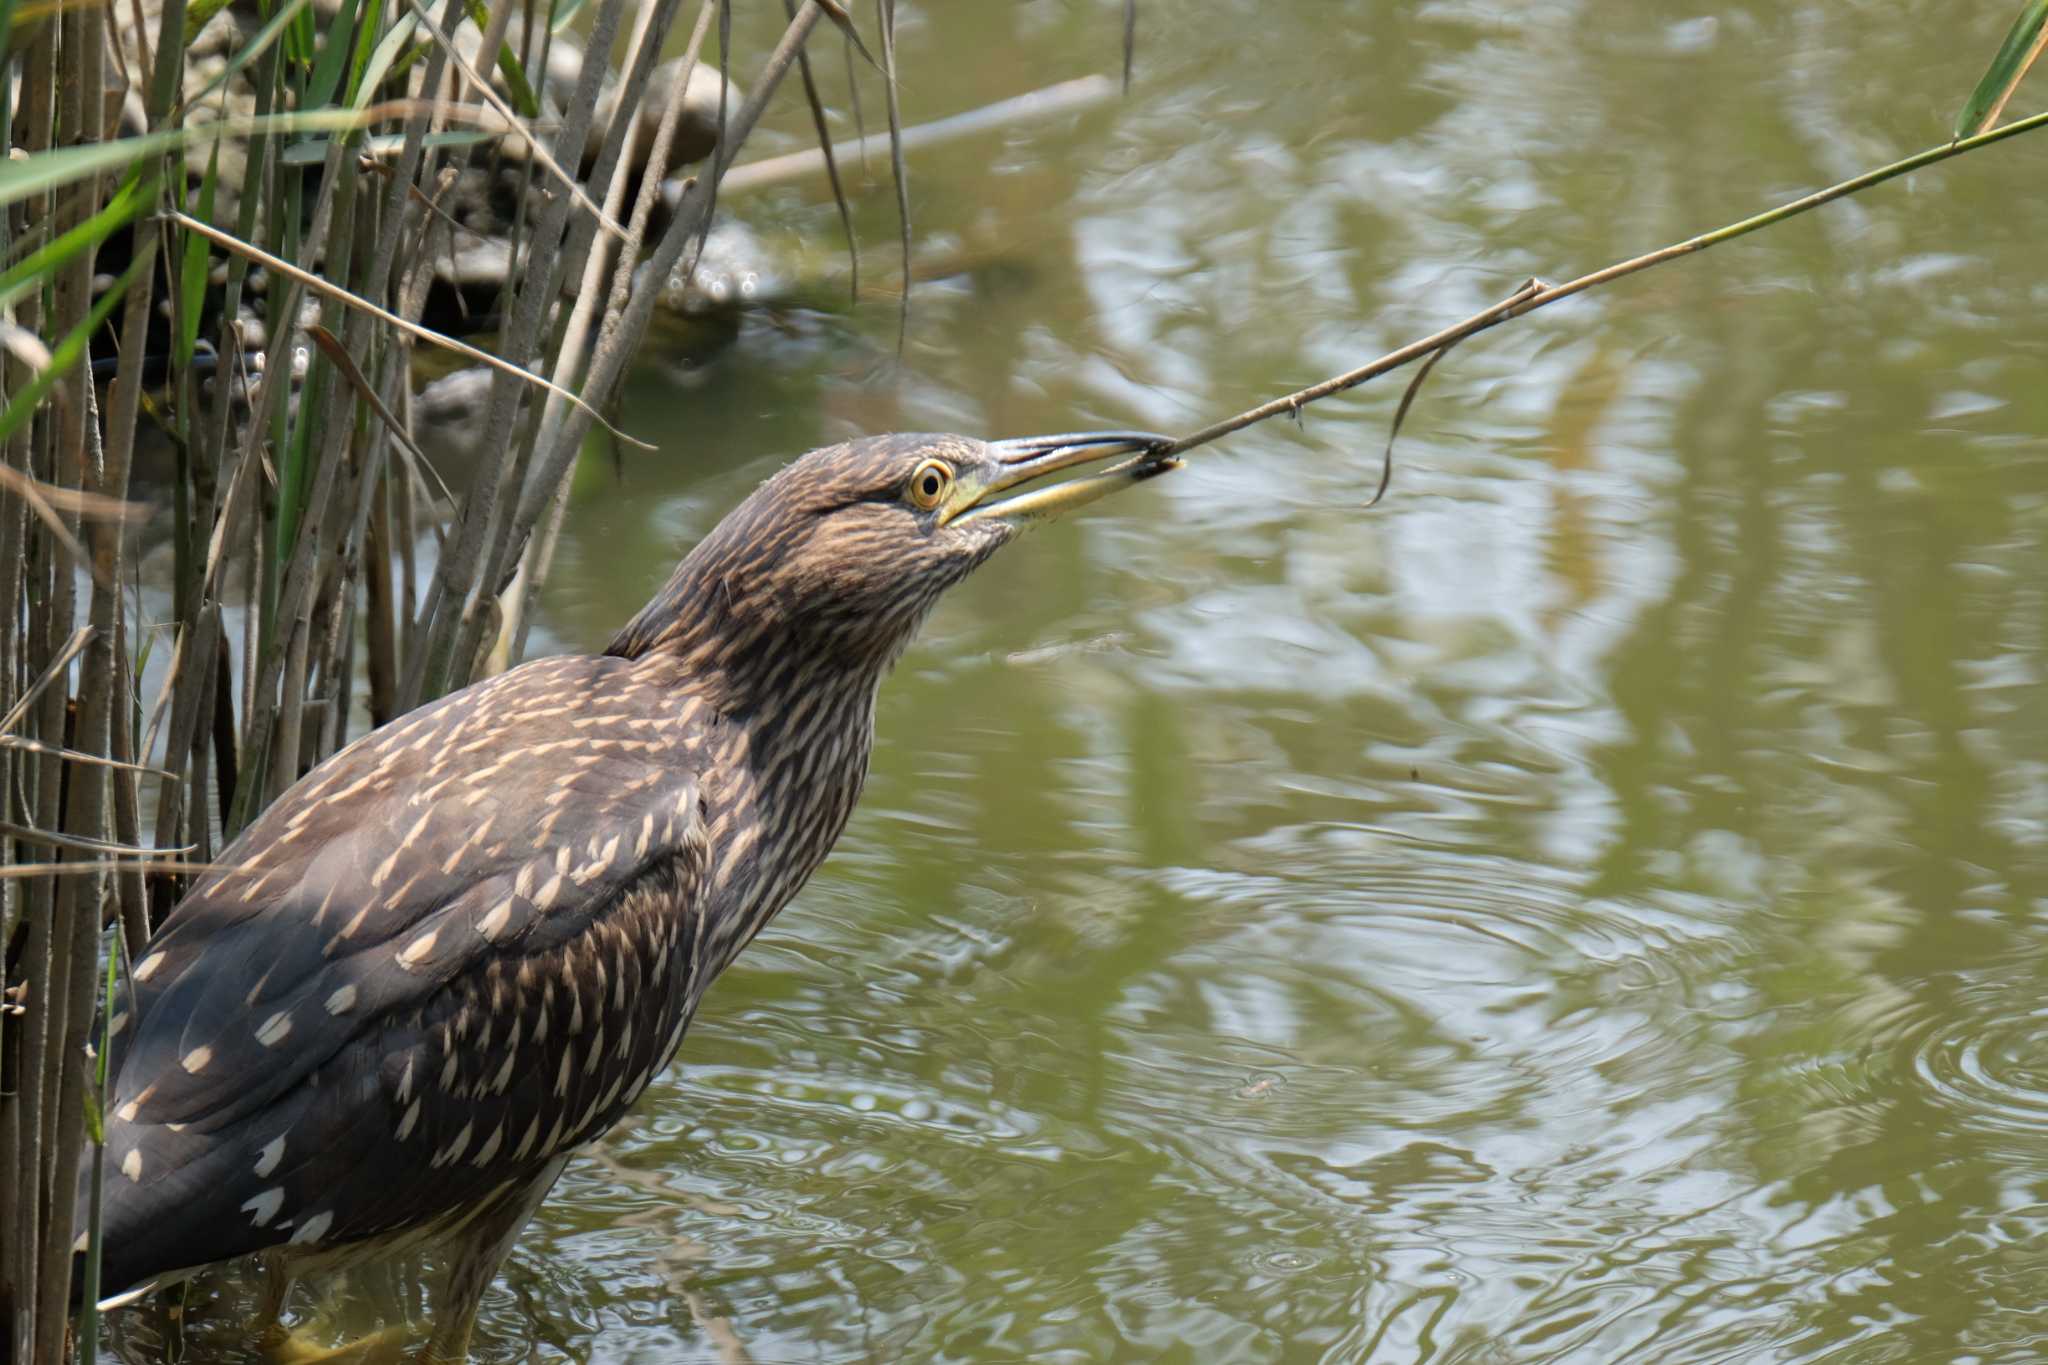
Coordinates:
(1989, 1067)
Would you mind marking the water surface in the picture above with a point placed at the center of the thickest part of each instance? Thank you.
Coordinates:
(1592, 907)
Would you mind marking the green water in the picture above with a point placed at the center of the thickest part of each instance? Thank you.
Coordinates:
(1590, 908)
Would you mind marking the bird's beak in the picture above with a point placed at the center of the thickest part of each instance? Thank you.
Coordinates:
(1026, 459)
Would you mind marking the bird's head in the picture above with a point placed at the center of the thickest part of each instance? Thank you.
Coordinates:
(848, 547)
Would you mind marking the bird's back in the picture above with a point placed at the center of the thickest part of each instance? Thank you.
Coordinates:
(459, 947)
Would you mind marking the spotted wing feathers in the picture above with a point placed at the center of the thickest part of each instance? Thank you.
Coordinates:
(398, 949)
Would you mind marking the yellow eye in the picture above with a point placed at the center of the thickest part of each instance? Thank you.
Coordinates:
(930, 483)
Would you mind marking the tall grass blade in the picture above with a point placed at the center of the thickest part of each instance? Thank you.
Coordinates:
(129, 203)
(843, 21)
(417, 463)
(285, 268)
(341, 43)
(8, 14)
(66, 354)
(381, 57)
(367, 35)
(509, 65)
(564, 15)
(300, 40)
(312, 151)
(96, 1127)
(43, 171)
(887, 14)
(824, 134)
(192, 270)
(2020, 50)
(483, 89)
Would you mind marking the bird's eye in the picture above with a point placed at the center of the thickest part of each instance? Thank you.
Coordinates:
(930, 483)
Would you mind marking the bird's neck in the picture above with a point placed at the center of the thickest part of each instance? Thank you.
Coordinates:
(791, 727)
(759, 655)
(780, 679)
(791, 684)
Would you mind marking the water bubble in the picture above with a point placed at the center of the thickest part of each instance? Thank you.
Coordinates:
(1286, 1261)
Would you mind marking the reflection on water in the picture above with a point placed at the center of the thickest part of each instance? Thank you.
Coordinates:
(1593, 907)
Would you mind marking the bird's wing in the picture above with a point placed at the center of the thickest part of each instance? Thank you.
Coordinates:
(351, 956)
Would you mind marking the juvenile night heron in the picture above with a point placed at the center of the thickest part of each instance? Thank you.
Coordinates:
(463, 946)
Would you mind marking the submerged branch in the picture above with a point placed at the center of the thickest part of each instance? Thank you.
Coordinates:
(1083, 92)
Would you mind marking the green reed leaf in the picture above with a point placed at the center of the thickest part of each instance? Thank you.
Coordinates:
(192, 270)
(68, 353)
(2021, 48)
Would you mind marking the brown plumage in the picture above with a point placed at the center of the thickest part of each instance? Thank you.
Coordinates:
(465, 944)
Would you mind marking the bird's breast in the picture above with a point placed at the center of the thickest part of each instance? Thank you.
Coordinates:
(775, 807)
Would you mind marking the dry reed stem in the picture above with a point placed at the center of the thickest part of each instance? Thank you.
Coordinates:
(79, 503)
(449, 624)
(386, 316)
(538, 556)
(623, 328)
(517, 124)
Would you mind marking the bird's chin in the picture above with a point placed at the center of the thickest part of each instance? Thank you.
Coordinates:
(971, 543)
(985, 535)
